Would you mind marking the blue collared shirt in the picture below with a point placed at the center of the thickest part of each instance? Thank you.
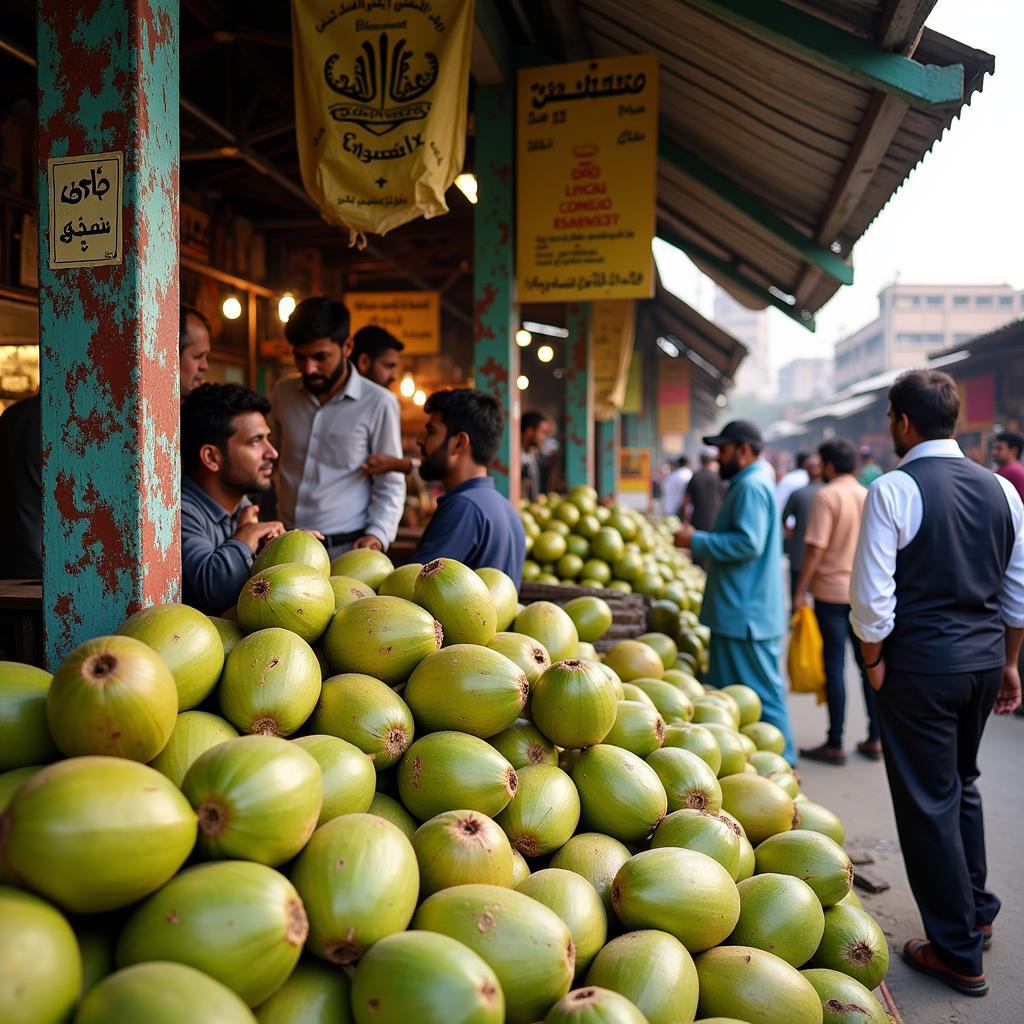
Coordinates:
(213, 564)
(743, 596)
(477, 526)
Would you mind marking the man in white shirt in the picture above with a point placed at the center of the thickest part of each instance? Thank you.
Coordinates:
(937, 597)
(328, 421)
(674, 488)
(792, 482)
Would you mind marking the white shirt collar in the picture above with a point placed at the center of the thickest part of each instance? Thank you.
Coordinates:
(943, 448)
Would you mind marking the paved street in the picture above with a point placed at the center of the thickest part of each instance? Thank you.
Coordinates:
(858, 793)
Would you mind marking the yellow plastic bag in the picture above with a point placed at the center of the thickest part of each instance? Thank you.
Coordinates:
(806, 662)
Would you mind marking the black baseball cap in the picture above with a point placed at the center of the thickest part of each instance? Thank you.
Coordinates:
(736, 432)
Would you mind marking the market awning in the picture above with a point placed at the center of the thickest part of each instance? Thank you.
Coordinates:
(838, 410)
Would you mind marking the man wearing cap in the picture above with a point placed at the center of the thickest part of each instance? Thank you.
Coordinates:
(870, 471)
(743, 597)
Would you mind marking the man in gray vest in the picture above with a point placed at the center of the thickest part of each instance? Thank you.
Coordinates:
(937, 597)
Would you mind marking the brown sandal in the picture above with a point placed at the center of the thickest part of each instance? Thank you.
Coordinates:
(919, 955)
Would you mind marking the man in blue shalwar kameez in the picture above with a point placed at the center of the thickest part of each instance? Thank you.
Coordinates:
(743, 598)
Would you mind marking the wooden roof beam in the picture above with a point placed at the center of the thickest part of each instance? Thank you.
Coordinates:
(830, 46)
(785, 234)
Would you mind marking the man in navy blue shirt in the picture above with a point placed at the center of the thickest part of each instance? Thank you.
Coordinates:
(473, 523)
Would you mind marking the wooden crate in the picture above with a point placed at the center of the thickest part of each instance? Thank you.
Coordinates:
(629, 611)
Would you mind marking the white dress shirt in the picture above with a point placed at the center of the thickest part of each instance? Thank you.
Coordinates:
(792, 482)
(892, 516)
(321, 483)
(673, 489)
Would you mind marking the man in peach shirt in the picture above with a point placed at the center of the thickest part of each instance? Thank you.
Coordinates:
(830, 543)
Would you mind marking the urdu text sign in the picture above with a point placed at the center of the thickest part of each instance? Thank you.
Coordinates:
(586, 150)
(414, 318)
(86, 210)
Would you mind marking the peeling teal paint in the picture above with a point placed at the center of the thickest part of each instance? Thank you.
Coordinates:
(608, 458)
(579, 399)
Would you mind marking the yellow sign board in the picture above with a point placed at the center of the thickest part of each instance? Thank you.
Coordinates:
(635, 477)
(612, 332)
(86, 210)
(414, 318)
(586, 175)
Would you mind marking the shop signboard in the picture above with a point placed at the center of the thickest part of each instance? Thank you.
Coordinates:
(380, 105)
(612, 333)
(86, 210)
(414, 318)
(673, 396)
(635, 478)
(586, 176)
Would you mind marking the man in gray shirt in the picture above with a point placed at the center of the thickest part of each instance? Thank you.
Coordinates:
(328, 421)
(794, 520)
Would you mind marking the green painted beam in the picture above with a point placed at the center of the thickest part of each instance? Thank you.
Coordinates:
(691, 166)
(728, 271)
(827, 44)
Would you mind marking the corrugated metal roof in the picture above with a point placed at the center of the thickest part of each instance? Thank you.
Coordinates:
(785, 129)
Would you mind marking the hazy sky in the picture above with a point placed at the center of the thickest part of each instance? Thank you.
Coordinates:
(958, 219)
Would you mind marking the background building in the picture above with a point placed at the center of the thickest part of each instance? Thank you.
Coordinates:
(751, 327)
(804, 380)
(916, 321)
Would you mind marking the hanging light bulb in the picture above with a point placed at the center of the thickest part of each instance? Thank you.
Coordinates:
(523, 382)
(523, 337)
(545, 353)
(285, 307)
(420, 398)
(408, 386)
(466, 184)
(232, 308)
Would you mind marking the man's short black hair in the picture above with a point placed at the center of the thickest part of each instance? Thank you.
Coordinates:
(207, 417)
(839, 454)
(374, 341)
(184, 313)
(532, 419)
(929, 399)
(317, 317)
(464, 410)
(1012, 440)
(801, 458)
(682, 462)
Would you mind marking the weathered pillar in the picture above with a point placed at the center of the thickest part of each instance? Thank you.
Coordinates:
(579, 398)
(108, 83)
(608, 458)
(495, 355)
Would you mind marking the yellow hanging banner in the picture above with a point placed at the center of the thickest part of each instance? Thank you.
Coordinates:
(380, 106)
(586, 175)
(612, 333)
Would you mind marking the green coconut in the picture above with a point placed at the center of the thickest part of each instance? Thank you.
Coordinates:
(348, 590)
(367, 713)
(620, 794)
(597, 858)
(112, 696)
(551, 626)
(765, 736)
(653, 970)
(460, 847)
(573, 704)
(634, 693)
(592, 617)
(780, 914)
(704, 832)
(257, 798)
(685, 681)
(631, 659)
(230, 632)
(812, 817)
(730, 747)
(788, 783)
(851, 899)
(372, 567)
(447, 771)
(697, 740)
(527, 945)
(97, 941)
(544, 813)
(24, 734)
(503, 594)
(688, 780)
(752, 985)
(684, 893)
(820, 862)
(401, 582)
(271, 683)
(162, 993)
(522, 744)
(854, 944)
(638, 728)
(194, 733)
(577, 903)
(748, 702)
(760, 806)
(388, 808)
(673, 704)
(617, 684)
(294, 546)
(314, 993)
(359, 881)
(727, 701)
(712, 712)
(349, 780)
(768, 763)
(238, 922)
(382, 637)
(10, 783)
(529, 654)
(459, 599)
(40, 965)
(425, 977)
(593, 1005)
(663, 645)
(467, 688)
(96, 833)
(844, 1000)
(289, 596)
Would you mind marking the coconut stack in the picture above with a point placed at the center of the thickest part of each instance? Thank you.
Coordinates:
(379, 795)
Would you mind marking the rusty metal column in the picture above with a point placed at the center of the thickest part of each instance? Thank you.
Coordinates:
(579, 399)
(495, 355)
(608, 458)
(108, 82)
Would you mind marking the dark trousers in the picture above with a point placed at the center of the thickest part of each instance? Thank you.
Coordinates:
(931, 730)
(834, 623)
(794, 575)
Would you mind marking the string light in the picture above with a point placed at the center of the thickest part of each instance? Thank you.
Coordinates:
(420, 398)
(466, 184)
(545, 353)
(523, 337)
(523, 382)
(285, 307)
(232, 308)
(408, 386)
